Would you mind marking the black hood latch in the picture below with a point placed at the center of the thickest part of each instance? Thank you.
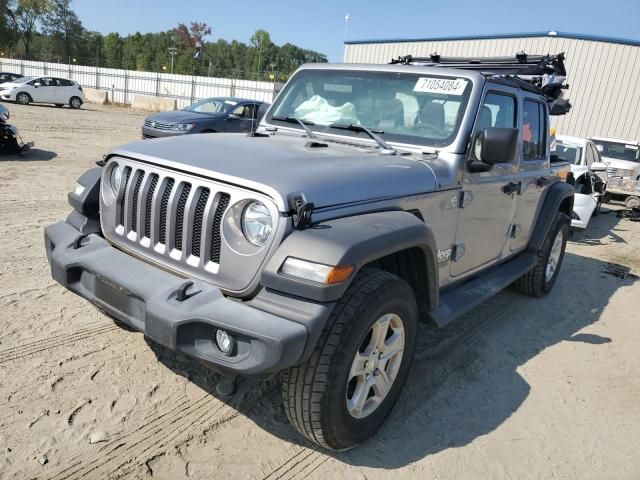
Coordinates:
(301, 210)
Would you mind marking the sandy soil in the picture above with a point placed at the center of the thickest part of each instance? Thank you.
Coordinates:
(520, 388)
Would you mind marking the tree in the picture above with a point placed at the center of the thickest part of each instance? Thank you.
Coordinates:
(112, 49)
(24, 16)
(8, 37)
(62, 23)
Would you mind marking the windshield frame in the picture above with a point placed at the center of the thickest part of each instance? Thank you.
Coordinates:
(623, 144)
(453, 142)
(222, 100)
(580, 149)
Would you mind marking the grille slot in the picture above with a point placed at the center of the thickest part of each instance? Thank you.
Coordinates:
(164, 204)
(182, 203)
(127, 173)
(134, 210)
(147, 209)
(197, 222)
(223, 203)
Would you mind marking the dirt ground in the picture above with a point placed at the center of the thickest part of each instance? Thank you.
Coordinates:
(518, 389)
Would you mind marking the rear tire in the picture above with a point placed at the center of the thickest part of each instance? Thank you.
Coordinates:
(632, 201)
(364, 353)
(75, 102)
(539, 281)
(23, 98)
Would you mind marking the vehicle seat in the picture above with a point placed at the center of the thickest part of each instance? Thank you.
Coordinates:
(432, 115)
(389, 111)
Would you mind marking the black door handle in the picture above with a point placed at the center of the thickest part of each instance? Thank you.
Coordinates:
(542, 181)
(512, 187)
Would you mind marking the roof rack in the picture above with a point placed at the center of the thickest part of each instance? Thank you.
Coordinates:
(544, 74)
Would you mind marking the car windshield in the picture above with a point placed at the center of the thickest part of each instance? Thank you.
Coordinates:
(22, 79)
(400, 107)
(618, 150)
(568, 152)
(212, 106)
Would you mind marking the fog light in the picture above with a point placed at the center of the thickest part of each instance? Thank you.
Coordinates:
(225, 342)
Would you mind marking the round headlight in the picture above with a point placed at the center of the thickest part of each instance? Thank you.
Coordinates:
(256, 223)
(116, 179)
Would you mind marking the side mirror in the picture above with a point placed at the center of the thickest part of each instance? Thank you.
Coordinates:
(37, 85)
(600, 148)
(494, 145)
(233, 116)
(598, 167)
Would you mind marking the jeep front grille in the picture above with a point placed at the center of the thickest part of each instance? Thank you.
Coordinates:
(179, 221)
(178, 213)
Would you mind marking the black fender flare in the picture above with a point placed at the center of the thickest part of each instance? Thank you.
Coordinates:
(559, 198)
(357, 241)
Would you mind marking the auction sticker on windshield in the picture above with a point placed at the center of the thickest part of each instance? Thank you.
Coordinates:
(449, 86)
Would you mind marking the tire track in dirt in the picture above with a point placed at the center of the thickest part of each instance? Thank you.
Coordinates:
(26, 350)
(134, 448)
(299, 465)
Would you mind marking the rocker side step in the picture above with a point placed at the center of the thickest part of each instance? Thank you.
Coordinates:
(459, 300)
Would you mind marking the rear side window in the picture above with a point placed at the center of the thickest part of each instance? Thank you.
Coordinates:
(534, 130)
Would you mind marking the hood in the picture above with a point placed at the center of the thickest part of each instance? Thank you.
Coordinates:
(281, 165)
(9, 85)
(182, 116)
(617, 163)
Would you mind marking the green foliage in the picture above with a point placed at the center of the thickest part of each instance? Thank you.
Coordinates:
(49, 30)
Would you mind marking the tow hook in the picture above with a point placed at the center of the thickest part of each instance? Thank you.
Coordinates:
(302, 210)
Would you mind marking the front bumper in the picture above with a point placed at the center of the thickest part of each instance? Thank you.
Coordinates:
(272, 331)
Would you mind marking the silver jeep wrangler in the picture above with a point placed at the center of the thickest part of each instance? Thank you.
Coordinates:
(372, 197)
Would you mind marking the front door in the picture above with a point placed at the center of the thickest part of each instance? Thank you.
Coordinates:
(242, 119)
(489, 198)
(43, 90)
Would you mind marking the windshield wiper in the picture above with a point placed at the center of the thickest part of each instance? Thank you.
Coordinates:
(302, 123)
(369, 131)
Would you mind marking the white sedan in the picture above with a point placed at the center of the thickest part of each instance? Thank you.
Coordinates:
(589, 174)
(58, 91)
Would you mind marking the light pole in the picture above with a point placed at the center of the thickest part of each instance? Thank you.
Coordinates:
(173, 51)
(344, 39)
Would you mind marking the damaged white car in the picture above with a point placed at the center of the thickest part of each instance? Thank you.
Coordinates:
(588, 175)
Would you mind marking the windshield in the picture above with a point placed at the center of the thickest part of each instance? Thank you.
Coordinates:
(568, 152)
(618, 150)
(400, 107)
(22, 80)
(212, 106)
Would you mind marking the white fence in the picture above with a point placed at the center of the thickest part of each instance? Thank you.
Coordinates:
(122, 85)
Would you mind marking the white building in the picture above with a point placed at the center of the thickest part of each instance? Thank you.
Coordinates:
(603, 73)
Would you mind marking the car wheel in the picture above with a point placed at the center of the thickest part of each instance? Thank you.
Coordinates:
(540, 280)
(343, 393)
(75, 102)
(23, 98)
(632, 202)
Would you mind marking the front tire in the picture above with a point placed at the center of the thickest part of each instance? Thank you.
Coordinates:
(539, 281)
(75, 103)
(343, 393)
(23, 98)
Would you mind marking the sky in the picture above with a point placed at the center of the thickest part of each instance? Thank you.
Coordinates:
(320, 25)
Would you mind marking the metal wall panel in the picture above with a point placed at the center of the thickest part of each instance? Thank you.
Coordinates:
(603, 76)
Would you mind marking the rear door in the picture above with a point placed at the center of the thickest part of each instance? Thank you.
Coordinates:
(535, 169)
(487, 212)
(64, 90)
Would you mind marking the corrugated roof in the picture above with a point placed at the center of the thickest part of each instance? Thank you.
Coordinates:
(552, 33)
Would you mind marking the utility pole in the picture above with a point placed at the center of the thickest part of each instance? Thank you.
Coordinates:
(173, 51)
(344, 39)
